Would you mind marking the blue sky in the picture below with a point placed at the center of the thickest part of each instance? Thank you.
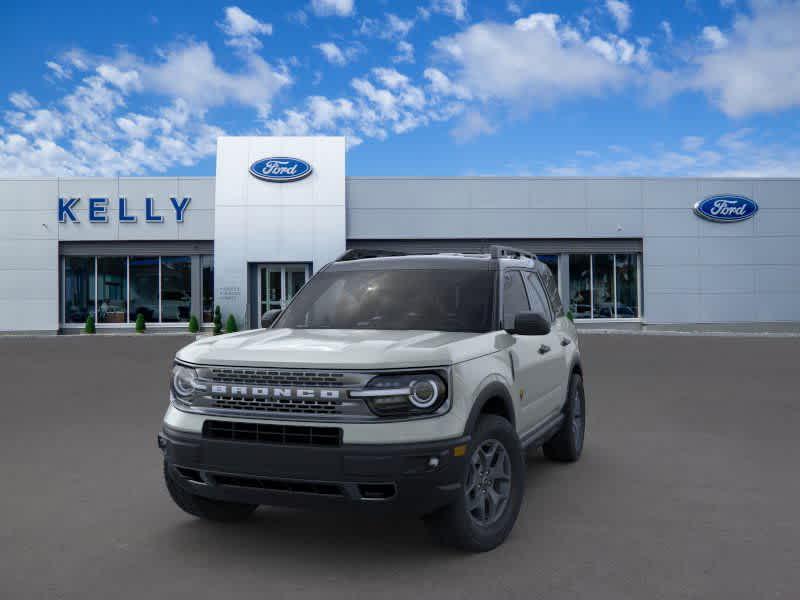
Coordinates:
(436, 87)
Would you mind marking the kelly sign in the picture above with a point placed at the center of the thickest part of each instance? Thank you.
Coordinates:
(99, 208)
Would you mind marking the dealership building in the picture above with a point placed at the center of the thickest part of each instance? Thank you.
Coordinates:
(627, 252)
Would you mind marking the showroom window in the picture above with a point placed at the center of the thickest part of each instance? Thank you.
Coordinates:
(79, 288)
(604, 286)
(117, 289)
(176, 289)
(112, 289)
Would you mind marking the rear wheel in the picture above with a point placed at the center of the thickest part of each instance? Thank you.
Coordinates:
(493, 485)
(567, 444)
(205, 508)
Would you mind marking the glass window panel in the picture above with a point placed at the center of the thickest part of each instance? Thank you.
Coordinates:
(207, 266)
(515, 300)
(580, 286)
(78, 288)
(627, 286)
(112, 284)
(603, 285)
(144, 288)
(176, 289)
(274, 284)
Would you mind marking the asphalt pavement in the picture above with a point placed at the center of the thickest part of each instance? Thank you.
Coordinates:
(689, 487)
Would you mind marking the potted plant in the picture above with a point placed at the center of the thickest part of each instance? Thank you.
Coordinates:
(217, 321)
(193, 325)
(230, 325)
(89, 327)
(140, 324)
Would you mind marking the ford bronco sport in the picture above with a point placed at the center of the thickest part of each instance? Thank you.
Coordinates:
(407, 382)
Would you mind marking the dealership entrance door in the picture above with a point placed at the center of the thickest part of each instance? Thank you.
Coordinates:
(276, 285)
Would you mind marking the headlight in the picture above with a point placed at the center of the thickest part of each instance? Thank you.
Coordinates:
(404, 395)
(184, 383)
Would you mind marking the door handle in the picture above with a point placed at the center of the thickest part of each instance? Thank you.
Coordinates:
(566, 341)
(544, 349)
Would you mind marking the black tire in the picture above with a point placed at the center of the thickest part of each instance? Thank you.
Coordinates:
(567, 444)
(205, 508)
(456, 525)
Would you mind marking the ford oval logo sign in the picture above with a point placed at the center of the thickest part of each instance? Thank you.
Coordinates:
(280, 169)
(726, 209)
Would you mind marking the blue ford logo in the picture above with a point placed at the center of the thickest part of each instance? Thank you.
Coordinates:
(280, 169)
(726, 209)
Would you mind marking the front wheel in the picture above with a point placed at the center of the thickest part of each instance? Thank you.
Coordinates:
(493, 486)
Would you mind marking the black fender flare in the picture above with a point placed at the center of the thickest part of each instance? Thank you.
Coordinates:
(494, 389)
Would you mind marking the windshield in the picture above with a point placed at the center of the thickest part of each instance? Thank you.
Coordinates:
(434, 299)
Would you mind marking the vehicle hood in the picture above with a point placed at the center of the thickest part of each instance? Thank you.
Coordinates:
(338, 348)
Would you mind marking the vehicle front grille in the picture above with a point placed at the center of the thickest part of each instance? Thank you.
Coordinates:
(270, 377)
(278, 405)
(273, 434)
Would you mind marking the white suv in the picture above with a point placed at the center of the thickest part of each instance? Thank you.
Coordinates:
(390, 382)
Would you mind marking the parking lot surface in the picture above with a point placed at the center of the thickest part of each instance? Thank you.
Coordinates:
(688, 488)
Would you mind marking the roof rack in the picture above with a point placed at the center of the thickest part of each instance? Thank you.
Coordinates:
(509, 252)
(359, 253)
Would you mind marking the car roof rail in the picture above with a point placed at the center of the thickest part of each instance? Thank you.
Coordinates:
(496, 251)
(359, 253)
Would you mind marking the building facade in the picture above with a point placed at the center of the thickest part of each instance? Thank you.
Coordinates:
(633, 251)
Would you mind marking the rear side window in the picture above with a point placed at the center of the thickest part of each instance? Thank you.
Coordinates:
(539, 303)
(515, 299)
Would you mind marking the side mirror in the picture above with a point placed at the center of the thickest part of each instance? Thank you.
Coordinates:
(530, 323)
(268, 318)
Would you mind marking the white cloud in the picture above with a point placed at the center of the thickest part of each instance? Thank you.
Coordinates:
(473, 124)
(58, 70)
(339, 8)
(91, 130)
(398, 27)
(536, 60)
(453, 8)
(385, 101)
(727, 3)
(715, 37)
(405, 53)
(243, 29)
(514, 8)
(735, 154)
(758, 70)
(692, 143)
(22, 100)
(441, 84)
(666, 27)
(621, 11)
(336, 55)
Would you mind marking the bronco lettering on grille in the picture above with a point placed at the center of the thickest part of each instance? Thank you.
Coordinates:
(274, 392)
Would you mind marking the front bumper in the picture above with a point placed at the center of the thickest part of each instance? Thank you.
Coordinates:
(415, 478)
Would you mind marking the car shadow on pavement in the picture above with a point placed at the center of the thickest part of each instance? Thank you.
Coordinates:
(290, 535)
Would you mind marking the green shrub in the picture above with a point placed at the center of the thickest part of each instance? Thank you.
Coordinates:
(217, 321)
(193, 325)
(230, 325)
(570, 316)
(89, 327)
(140, 324)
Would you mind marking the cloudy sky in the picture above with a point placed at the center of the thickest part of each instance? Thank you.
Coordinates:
(435, 87)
